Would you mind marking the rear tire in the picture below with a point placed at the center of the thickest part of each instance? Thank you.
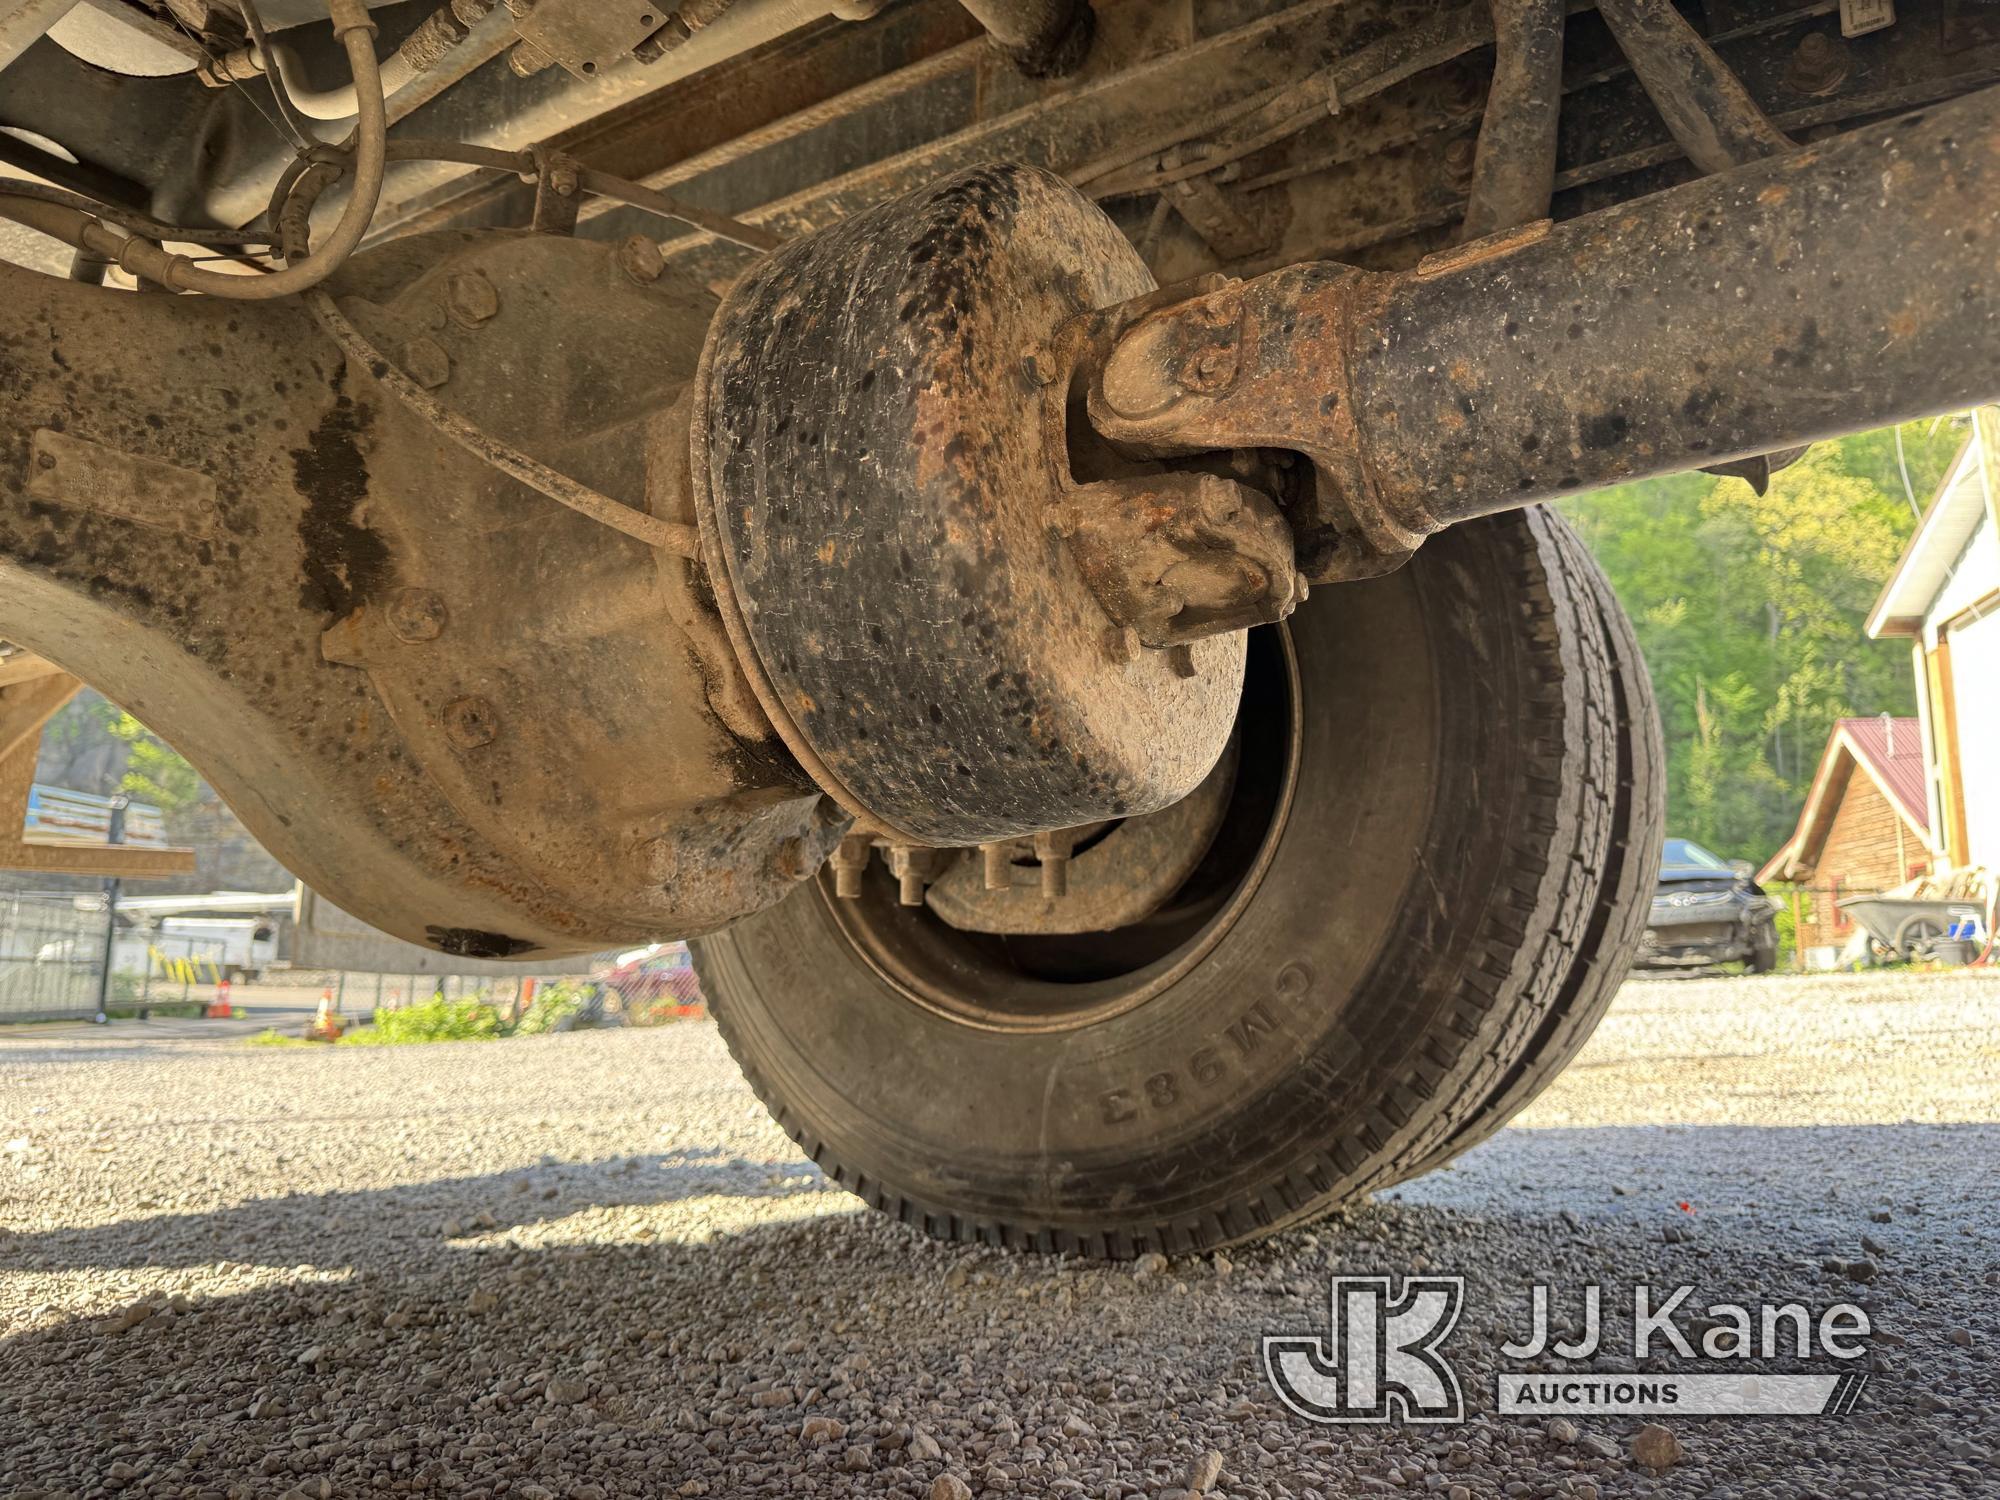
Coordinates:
(1431, 881)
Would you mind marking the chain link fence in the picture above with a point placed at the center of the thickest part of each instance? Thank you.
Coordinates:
(52, 951)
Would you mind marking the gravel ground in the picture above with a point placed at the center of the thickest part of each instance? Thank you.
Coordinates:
(587, 1265)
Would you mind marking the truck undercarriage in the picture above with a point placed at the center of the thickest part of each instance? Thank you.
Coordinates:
(1016, 524)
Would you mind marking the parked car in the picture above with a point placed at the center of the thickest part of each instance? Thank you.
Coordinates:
(653, 983)
(1708, 910)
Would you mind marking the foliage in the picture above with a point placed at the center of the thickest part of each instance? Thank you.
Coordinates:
(154, 771)
(1750, 611)
(553, 1004)
(436, 1020)
(1787, 919)
(468, 1019)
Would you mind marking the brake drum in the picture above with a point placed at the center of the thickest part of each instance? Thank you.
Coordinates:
(878, 450)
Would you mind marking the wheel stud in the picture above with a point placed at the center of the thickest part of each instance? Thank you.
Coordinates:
(850, 860)
(1053, 850)
(998, 861)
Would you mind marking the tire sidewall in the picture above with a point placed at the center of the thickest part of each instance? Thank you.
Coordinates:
(1323, 1033)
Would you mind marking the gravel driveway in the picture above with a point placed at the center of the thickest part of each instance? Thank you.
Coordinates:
(588, 1265)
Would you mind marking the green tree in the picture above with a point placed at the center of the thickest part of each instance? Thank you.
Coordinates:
(156, 773)
(1751, 609)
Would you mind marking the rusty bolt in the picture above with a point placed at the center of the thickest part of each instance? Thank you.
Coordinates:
(1210, 369)
(416, 615)
(850, 861)
(470, 722)
(425, 361)
(640, 259)
(1121, 644)
(1181, 659)
(470, 298)
(1819, 65)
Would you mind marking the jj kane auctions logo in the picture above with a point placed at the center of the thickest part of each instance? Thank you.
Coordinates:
(1381, 1358)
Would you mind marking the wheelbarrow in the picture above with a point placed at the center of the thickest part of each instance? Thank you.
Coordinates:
(1910, 929)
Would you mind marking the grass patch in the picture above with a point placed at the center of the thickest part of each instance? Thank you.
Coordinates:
(442, 1020)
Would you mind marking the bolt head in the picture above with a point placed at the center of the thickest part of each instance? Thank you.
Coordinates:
(416, 615)
(1819, 65)
(1210, 369)
(425, 362)
(471, 298)
(470, 722)
(640, 259)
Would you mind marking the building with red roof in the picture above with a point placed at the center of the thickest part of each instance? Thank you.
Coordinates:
(1865, 827)
(1898, 799)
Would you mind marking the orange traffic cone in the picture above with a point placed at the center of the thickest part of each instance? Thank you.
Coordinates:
(326, 1020)
(218, 1008)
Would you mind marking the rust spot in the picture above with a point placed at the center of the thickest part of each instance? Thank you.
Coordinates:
(343, 561)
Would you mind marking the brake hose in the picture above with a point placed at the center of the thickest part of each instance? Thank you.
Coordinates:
(143, 257)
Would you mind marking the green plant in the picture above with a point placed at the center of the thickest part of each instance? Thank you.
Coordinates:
(277, 1039)
(1787, 920)
(553, 1004)
(436, 1020)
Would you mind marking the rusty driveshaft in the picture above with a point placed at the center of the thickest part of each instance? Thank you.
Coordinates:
(1807, 295)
